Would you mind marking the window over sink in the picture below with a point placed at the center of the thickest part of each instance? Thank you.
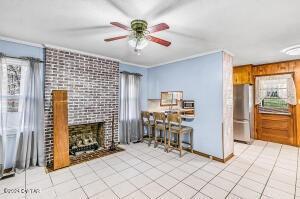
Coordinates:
(275, 93)
(273, 102)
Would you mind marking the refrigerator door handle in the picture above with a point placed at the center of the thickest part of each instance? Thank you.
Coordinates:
(241, 121)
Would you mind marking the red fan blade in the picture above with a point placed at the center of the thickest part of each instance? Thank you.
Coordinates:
(158, 40)
(158, 27)
(116, 38)
(120, 25)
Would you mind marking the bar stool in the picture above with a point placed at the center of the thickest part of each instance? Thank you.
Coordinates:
(160, 132)
(176, 129)
(148, 124)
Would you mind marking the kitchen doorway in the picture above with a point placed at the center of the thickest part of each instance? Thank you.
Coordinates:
(275, 100)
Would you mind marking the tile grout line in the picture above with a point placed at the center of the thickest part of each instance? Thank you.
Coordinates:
(179, 181)
(285, 182)
(168, 190)
(259, 154)
(109, 187)
(79, 183)
(117, 172)
(54, 185)
(141, 173)
(185, 162)
(219, 173)
(271, 172)
(95, 180)
(224, 170)
(144, 161)
(156, 179)
(297, 173)
(202, 179)
(147, 153)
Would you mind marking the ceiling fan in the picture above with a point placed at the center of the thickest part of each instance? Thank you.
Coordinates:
(139, 34)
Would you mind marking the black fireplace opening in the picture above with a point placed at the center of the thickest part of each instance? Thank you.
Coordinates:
(85, 138)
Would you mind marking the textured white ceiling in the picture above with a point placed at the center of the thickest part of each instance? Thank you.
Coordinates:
(253, 30)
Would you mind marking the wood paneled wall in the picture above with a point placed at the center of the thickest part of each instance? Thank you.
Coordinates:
(281, 68)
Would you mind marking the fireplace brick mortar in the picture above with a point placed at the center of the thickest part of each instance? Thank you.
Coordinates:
(93, 91)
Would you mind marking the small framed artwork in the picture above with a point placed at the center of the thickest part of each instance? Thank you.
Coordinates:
(170, 98)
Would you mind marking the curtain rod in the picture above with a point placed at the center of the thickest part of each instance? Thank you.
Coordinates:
(129, 73)
(22, 58)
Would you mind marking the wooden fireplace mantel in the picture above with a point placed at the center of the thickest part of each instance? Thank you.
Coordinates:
(60, 129)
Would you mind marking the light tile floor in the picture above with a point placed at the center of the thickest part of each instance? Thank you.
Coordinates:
(261, 170)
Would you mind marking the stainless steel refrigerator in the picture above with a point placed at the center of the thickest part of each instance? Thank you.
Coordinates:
(243, 113)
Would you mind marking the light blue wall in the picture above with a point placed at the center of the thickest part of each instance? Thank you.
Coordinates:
(144, 81)
(200, 79)
(18, 50)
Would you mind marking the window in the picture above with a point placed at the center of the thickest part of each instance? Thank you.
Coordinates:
(13, 87)
(273, 103)
(275, 93)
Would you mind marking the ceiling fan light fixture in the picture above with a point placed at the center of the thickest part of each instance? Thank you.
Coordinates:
(136, 42)
(293, 50)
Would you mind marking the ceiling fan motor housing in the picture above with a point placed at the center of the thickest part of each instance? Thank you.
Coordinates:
(139, 26)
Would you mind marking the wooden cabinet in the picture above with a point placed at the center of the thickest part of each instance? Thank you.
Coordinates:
(273, 69)
(243, 75)
(60, 129)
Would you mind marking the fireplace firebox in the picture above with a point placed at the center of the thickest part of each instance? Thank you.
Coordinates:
(84, 138)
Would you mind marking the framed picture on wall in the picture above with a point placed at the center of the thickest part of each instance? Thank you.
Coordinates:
(170, 98)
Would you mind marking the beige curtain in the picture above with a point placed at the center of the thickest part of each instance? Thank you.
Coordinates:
(265, 83)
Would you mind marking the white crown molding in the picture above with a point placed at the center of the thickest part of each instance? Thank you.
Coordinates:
(21, 42)
(94, 55)
(192, 57)
(228, 52)
(133, 64)
(79, 52)
(110, 58)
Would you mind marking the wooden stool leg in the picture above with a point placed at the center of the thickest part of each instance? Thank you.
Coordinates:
(169, 142)
(180, 144)
(165, 139)
(149, 135)
(155, 138)
(143, 133)
(161, 136)
(192, 141)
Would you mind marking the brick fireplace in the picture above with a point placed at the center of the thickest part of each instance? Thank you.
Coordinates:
(93, 92)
